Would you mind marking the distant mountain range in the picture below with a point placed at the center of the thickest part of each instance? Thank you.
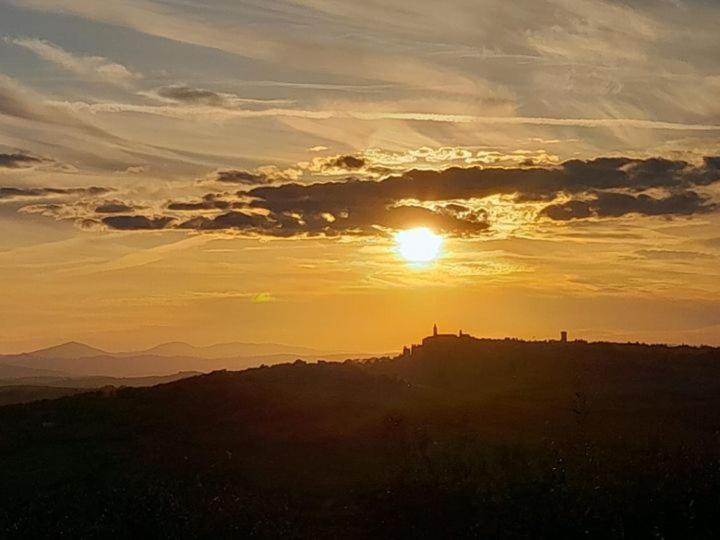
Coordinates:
(11, 371)
(73, 349)
(75, 359)
(228, 350)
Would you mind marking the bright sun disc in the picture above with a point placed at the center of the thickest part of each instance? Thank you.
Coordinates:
(419, 245)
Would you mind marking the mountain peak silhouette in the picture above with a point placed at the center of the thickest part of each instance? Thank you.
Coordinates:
(70, 349)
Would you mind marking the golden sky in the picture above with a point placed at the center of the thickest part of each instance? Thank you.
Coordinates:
(237, 171)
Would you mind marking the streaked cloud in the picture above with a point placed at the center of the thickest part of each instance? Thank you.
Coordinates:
(7, 193)
(184, 94)
(88, 67)
(19, 160)
(419, 116)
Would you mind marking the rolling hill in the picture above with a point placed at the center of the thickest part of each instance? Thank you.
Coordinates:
(29, 389)
(471, 438)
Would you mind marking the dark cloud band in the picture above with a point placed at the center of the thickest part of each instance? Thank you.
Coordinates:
(19, 160)
(137, 223)
(608, 205)
(445, 200)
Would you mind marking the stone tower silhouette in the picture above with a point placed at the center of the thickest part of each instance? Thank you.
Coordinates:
(435, 332)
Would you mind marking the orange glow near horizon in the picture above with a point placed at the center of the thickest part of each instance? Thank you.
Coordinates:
(305, 172)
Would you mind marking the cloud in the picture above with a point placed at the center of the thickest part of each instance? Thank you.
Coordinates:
(574, 176)
(230, 220)
(31, 193)
(199, 110)
(536, 183)
(711, 242)
(113, 207)
(19, 160)
(137, 223)
(673, 255)
(20, 102)
(365, 221)
(262, 175)
(347, 162)
(314, 225)
(454, 201)
(211, 201)
(342, 164)
(89, 67)
(303, 51)
(456, 154)
(188, 95)
(609, 205)
(236, 176)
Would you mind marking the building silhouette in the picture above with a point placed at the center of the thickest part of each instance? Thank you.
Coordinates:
(436, 338)
(455, 339)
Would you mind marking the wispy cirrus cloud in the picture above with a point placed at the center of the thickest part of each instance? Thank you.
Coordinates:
(201, 109)
(163, 20)
(20, 102)
(7, 193)
(89, 67)
(182, 94)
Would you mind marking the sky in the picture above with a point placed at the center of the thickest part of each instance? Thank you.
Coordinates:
(238, 170)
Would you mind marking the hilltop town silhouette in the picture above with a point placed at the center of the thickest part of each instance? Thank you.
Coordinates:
(437, 338)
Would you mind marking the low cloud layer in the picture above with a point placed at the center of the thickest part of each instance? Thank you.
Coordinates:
(136, 223)
(452, 201)
(267, 174)
(211, 201)
(235, 176)
(32, 193)
(113, 207)
(19, 160)
(608, 205)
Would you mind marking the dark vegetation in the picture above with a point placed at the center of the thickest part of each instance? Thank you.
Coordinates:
(10, 395)
(499, 439)
(29, 389)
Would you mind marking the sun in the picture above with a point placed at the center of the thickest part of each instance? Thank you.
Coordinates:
(418, 245)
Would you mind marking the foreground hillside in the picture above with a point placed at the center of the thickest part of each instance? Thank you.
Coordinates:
(29, 389)
(474, 439)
